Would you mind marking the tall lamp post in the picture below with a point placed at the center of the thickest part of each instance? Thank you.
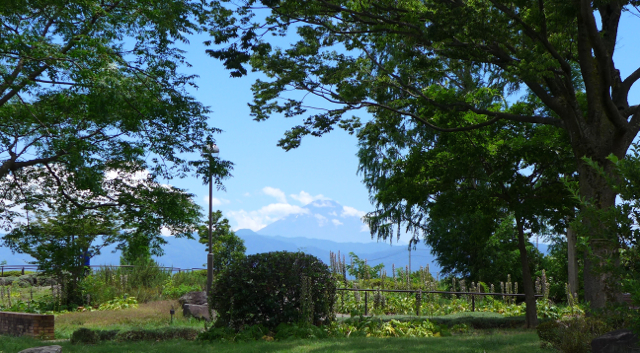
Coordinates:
(210, 151)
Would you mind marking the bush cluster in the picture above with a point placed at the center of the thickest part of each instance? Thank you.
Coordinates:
(147, 281)
(267, 289)
(572, 335)
(26, 280)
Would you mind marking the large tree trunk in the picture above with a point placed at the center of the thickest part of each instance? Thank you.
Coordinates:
(603, 243)
(531, 315)
(572, 261)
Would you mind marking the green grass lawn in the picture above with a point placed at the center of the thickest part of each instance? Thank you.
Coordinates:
(498, 341)
(156, 315)
(147, 316)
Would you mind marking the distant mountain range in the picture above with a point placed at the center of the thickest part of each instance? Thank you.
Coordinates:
(189, 253)
(327, 226)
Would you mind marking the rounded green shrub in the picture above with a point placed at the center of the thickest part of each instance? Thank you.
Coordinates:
(84, 336)
(549, 332)
(273, 288)
(572, 335)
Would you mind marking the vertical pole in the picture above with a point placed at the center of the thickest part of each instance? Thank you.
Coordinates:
(572, 261)
(473, 302)
(366, 307)
(210, 255)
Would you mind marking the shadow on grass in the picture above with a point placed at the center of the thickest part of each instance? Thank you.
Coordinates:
(505, 341)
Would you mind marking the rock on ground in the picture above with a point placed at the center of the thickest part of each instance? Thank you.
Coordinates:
(618, 341)
(45, 349)
(196, 311)
(197, 298)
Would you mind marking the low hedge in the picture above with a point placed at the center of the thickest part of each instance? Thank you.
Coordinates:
(481, 323)
(88, 336)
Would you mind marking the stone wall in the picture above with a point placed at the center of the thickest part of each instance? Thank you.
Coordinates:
(35, 325)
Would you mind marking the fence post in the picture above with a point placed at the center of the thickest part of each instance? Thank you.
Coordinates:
(23, 270)
(473, 302)
(366, 299)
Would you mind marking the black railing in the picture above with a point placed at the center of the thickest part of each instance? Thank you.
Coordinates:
(36, 268)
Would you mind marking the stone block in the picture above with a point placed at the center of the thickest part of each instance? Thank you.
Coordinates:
(197, 298)
(618, 341)
(45, 349)
(196, 311)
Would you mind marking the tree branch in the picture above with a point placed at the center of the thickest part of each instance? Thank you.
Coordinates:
(61, 188)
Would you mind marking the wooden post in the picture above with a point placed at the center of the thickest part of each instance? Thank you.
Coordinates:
(473, 302)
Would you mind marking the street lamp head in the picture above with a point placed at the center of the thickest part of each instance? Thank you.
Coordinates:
(211, 149)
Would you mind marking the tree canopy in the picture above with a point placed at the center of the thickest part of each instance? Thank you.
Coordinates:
(91, 93)
(545, 63)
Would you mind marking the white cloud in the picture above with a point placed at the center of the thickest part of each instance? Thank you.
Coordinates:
(323, 203)
(364, 228)
(305, 198)
(256, 220)
(216, 201)
(352, 212)
(246, 194)
(277, 193)
(336, 222)
(333, 213)
(322, 220)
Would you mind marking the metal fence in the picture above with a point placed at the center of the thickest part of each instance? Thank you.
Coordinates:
(35, 268)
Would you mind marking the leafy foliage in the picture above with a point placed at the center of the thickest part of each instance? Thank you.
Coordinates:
(227, 247)
(91, 97)
(266, 289)
(64, 232)
(359, 268)
(119, 303)
(60, 243)
(430, 72)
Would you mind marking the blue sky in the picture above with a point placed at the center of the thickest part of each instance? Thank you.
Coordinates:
(270, 183)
